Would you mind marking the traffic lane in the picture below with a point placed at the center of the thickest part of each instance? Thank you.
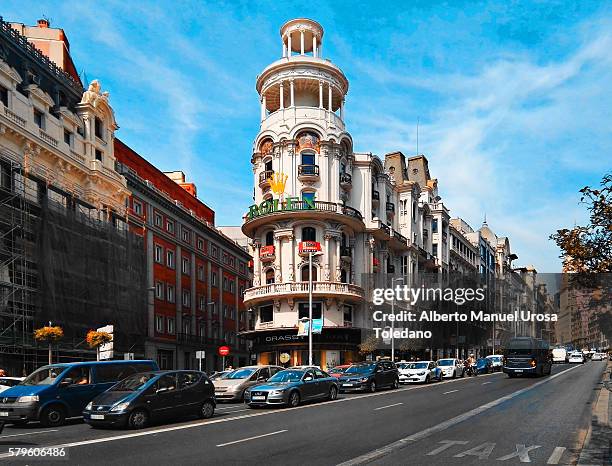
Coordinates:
(546, 425)
(338, 430)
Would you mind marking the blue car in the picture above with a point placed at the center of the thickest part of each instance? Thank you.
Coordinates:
(53, 393)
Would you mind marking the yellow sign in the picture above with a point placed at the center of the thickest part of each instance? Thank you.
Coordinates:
(277, 183)
(284, 357)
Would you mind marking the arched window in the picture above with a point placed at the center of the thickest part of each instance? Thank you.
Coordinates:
(308, 157)
(269, 276)
(270, 238)
(343, 240)
(305, 273)
(309, 234)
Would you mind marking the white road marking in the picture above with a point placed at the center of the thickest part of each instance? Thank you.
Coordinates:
(482, 451)
(451, 391)
(29, 433)
(446, 444)
(521, 452)
(388, 406)
(484, 383)
(380, 452)
(556, 455)
(237, 418)
(251, 438)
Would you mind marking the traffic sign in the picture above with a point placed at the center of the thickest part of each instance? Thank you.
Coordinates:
(223, 350)
(200, 354)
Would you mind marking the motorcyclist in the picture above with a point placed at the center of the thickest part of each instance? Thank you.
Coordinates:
(470, 364)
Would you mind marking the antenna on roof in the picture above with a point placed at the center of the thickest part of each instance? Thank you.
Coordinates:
(485, 219)
(417, 152)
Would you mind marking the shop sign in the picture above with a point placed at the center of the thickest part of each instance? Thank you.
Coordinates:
(270, 206)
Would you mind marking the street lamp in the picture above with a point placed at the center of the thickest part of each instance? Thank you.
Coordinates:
(310, 254)
(396, 280)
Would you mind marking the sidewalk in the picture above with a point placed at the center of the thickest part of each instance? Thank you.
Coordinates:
(597, 450)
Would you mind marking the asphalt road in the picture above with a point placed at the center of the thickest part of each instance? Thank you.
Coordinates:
(481, 420)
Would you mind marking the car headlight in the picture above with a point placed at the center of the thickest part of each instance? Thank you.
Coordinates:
(27, 399)
(120, 407)
(89, 406)
(363, 379)
(421, 373)
(277, 392)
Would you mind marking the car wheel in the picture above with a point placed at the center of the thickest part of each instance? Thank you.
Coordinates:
(138, 419)
(396, 383)
(372, 386)
(427, 379)
(333, 394)
(294, 399)
(207, 410)
(53, 416)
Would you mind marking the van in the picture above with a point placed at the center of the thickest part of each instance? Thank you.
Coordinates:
(559, 354)
(58, 391)
(526, 355)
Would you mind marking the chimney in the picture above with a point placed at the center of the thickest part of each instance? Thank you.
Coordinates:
(43, 23)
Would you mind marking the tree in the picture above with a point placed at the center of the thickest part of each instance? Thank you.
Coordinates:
(49, 335)
(369, 345)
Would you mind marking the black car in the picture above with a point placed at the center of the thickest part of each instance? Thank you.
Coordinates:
(369, 376)
(152, 396)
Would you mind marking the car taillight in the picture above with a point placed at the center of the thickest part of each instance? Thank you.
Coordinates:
(533, 363)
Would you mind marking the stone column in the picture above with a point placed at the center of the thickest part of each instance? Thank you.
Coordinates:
(284, 49)
(302, 42)
(289, 45)
(327, 237)
(342, 109)
(320, 94)
(314, 46)
(338, 268)
(282, 96)
(329, 97)
(256, 264)
(278, 274)
(292, 264)
(291, 86)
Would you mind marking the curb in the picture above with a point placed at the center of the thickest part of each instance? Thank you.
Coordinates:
(597, 448)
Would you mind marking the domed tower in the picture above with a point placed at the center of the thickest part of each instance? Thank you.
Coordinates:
(303, 164)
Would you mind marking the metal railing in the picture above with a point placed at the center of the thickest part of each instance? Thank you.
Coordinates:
(308, 170)
(302, 288)
(318, 206)
(265, 175)
(346, 178)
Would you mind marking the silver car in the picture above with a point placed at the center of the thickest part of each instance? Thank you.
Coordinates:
(232, 386)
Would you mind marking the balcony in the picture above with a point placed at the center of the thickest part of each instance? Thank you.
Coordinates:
(375, 198)
(344, 291)
(308, 172)
(189, 339)
(267, 253)
(264, 178)
(345, 254)
(390, 208)
(298, 115)
(346, 181)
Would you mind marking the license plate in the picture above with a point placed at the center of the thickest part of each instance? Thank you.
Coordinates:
(347, 384)
(3, 413)
(258, 397)
(519, 370)
(97, 416)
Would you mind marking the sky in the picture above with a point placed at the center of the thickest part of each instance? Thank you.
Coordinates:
(512, 98)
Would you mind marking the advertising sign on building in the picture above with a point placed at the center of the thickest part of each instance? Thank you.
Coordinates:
(303, 328)
(106, 349)
(306, 247)
(317, 326)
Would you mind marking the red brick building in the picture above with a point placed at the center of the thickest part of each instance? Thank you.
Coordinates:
(196, 275)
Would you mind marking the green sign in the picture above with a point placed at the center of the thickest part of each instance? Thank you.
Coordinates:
(270, 206)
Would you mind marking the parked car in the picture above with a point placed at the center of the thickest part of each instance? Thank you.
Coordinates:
(232, 386)
(53, 393)
(484, 366)
(451, 367)
(219, 375)
(420, 371)
(290, 387)
(369, 376)
(8, 382)
(338, 370)
(152, 396)
(576, 357)
(596, 357)
(497, 360)
(305, 367)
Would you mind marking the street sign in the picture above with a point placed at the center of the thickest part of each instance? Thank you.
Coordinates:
(223, 350)
(105, 350)
(317, 326)
(309, 246)
(128, 356)
(200, 354)
(303, 328)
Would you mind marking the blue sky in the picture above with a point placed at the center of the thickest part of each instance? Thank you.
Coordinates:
(513, 98)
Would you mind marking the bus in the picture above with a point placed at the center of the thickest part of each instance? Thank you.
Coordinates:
(527, 356)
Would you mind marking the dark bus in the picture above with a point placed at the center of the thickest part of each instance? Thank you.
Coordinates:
(526, 355)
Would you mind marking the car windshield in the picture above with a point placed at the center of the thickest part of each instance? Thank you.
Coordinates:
(219, 375)
(418, 365)
(446, 362)
(240, 374)
(360, 368)
(286, 376)
(45, 375)
(337, 370)
(132, 383)
(494, 358)
(9, 382)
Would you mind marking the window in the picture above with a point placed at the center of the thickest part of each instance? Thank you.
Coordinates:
(186, 298)
(308, 158)
(99, 128)
(170, 226)
(200, 244)
(305, 277)
(266, 313)
(269, 276)
(309, 234)
(67, 137)
(4, 96)
(224, 283)
(159, 324)
(187, 379)
(170, 258)
(39, 119)
(106, 373)
(270, 238)
(231, 286)
(225, 311)
(159, 290)
(159, 251)
(167, 382)
(434, 250)
(185, 265)
(348, 314)
(201, 273)
(186, 235)
(202, 303)
(171, 325)
(157, 219)
(170, 293)
(79, 375)
(99, 155)
(215, 251)
(434, 225)
(137, 207)
(316, 310)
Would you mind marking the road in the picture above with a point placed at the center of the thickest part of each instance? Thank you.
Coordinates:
(487, 419)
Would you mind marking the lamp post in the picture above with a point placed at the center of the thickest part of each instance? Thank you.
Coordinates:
(310, 255)
(393, 280)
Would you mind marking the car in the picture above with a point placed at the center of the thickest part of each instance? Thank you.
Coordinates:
(305, 367)
(219, 375)
(484, 366)
(451, 367)
(599, 357)
(527, 356)
(8, 382)
(338, 370)
(290, 387)
(576, 357)
(497, 360)
(369, 376)
(559, 355)
(420, 371)
(232, 386)
(141, 399)
(52, 393)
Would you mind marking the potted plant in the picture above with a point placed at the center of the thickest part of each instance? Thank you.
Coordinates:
(49, 335)
(95, 339)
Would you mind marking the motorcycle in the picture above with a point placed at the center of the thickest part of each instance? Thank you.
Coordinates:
(470, 369)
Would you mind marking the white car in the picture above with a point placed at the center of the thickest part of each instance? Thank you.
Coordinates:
(420, 371)
(559, 355)
(497, 360)
(8, 382)
(599, 357)
(576, 357)
(451, 367)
